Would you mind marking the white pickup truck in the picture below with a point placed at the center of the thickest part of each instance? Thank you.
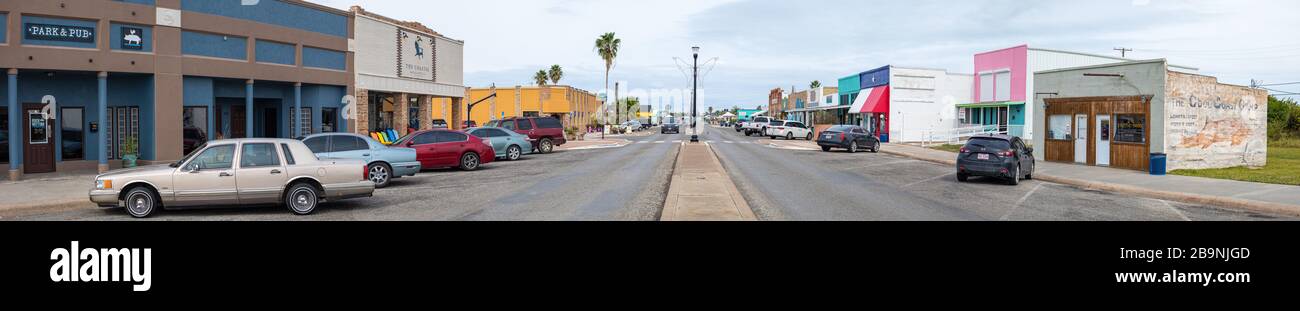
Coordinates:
(756, 125)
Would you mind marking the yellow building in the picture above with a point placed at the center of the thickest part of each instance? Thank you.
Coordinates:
(575, 107)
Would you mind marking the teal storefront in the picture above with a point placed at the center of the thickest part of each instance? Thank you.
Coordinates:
(1005, 117)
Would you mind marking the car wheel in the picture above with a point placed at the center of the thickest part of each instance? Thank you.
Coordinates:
(302, 198)
(875, 147)
(789, 136)
(513, 153)
(826, 149)
(469, 161)
(853, 147)
(141, 202)
(1030, 175)
(961, 177)
(1015, 177)
(545, 146)
(380, 174)
(771, 137)
(808, 137)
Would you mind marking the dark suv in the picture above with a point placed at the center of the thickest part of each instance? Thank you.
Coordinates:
(544, 132)
(996, 156)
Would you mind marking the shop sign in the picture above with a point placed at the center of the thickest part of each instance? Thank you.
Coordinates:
(34, 31)
(132, 38)
(416, 58)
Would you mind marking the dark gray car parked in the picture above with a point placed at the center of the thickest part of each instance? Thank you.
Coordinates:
(996, 156)
(851, 137)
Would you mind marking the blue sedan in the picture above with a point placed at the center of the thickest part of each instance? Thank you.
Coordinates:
(383, 163)
(508, 144)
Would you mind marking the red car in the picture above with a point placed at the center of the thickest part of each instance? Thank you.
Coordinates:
(447, 148)
(544, 132)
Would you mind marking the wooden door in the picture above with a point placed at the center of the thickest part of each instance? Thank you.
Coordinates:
(38, 141)
(238, 127)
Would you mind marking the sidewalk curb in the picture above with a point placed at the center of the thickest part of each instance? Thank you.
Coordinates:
(43, 207)
(1242, 204)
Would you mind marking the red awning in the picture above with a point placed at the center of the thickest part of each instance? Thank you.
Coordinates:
(877, 101)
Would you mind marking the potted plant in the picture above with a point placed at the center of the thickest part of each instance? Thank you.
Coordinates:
(130, 151)
(571, 132)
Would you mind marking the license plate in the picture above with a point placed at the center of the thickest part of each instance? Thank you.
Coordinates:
(828, 136)
(982, 156)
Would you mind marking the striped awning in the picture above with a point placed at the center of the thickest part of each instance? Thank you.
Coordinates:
(873, 100)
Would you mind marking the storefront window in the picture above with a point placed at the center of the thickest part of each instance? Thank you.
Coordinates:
(381, 111)
(1058, 127)
(195, 128)
(328, 119)
(73, 133)
(413, 115)
(304, 120)
(1131, 128)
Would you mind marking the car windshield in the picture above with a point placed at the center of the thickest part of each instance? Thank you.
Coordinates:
(670, 121)
(776, 122)
(188, 156)
(989, 143)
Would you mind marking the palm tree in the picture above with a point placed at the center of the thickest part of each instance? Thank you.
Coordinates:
(540, 77)
(556, 73)
(607, 47)
(815, 84)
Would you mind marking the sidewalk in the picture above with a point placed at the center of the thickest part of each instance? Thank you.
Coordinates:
(701, 190)
(1267, 198)
(45, 194)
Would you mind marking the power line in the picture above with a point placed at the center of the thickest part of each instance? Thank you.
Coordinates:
(1278, 84)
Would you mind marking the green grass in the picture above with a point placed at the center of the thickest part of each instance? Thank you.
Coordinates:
(1283, 167)
(948, 148)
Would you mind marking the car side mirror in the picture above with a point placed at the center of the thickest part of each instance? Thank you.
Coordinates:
(1029, 150)
(192, 168)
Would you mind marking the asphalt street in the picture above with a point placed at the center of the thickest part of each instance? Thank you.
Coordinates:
(782, 184)
(627, 183)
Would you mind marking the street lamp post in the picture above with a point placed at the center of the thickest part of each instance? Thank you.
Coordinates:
(695, 82)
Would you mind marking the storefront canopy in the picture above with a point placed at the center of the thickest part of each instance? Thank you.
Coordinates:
(989, 104)
(873, 100)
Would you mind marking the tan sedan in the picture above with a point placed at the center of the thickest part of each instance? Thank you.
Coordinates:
(236, 172)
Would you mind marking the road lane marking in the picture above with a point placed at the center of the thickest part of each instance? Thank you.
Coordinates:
(927, 180)
(1022, 200)
(1176, 211)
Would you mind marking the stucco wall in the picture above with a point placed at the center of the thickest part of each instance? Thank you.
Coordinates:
(1140, 78)
(924, 100)
(1213, 125)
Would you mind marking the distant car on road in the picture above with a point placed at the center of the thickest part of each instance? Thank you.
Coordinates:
(440, 124)
(469, 124)
(631, 126)
(851, 137)
(739, 126)
(506, 144)
(242, 172)
(383, 163)
(670, 125)
(447, 148)
(1000, 156)
(544, 132)
(757, 125)
(789, 130)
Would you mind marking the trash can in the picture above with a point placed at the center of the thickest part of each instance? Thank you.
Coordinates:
(1158, 161)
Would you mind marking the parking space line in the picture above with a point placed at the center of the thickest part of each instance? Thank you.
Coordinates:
(885, 164)
(927, 180)
(1022, 200)
(1176, 211)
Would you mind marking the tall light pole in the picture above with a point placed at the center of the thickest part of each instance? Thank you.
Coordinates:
(695, 83)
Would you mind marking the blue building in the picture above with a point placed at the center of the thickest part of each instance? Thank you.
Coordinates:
(87, 80)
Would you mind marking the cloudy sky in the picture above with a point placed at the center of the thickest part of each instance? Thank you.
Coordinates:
(764, 44)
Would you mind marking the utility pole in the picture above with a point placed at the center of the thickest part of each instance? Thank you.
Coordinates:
(695, 84)
(1123, 52)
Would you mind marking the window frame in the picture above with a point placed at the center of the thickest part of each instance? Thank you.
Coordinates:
(1069, 130)
(275, 155)
(1115, 128)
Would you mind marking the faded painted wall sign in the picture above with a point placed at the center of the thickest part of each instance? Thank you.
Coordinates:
(1213, 125)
